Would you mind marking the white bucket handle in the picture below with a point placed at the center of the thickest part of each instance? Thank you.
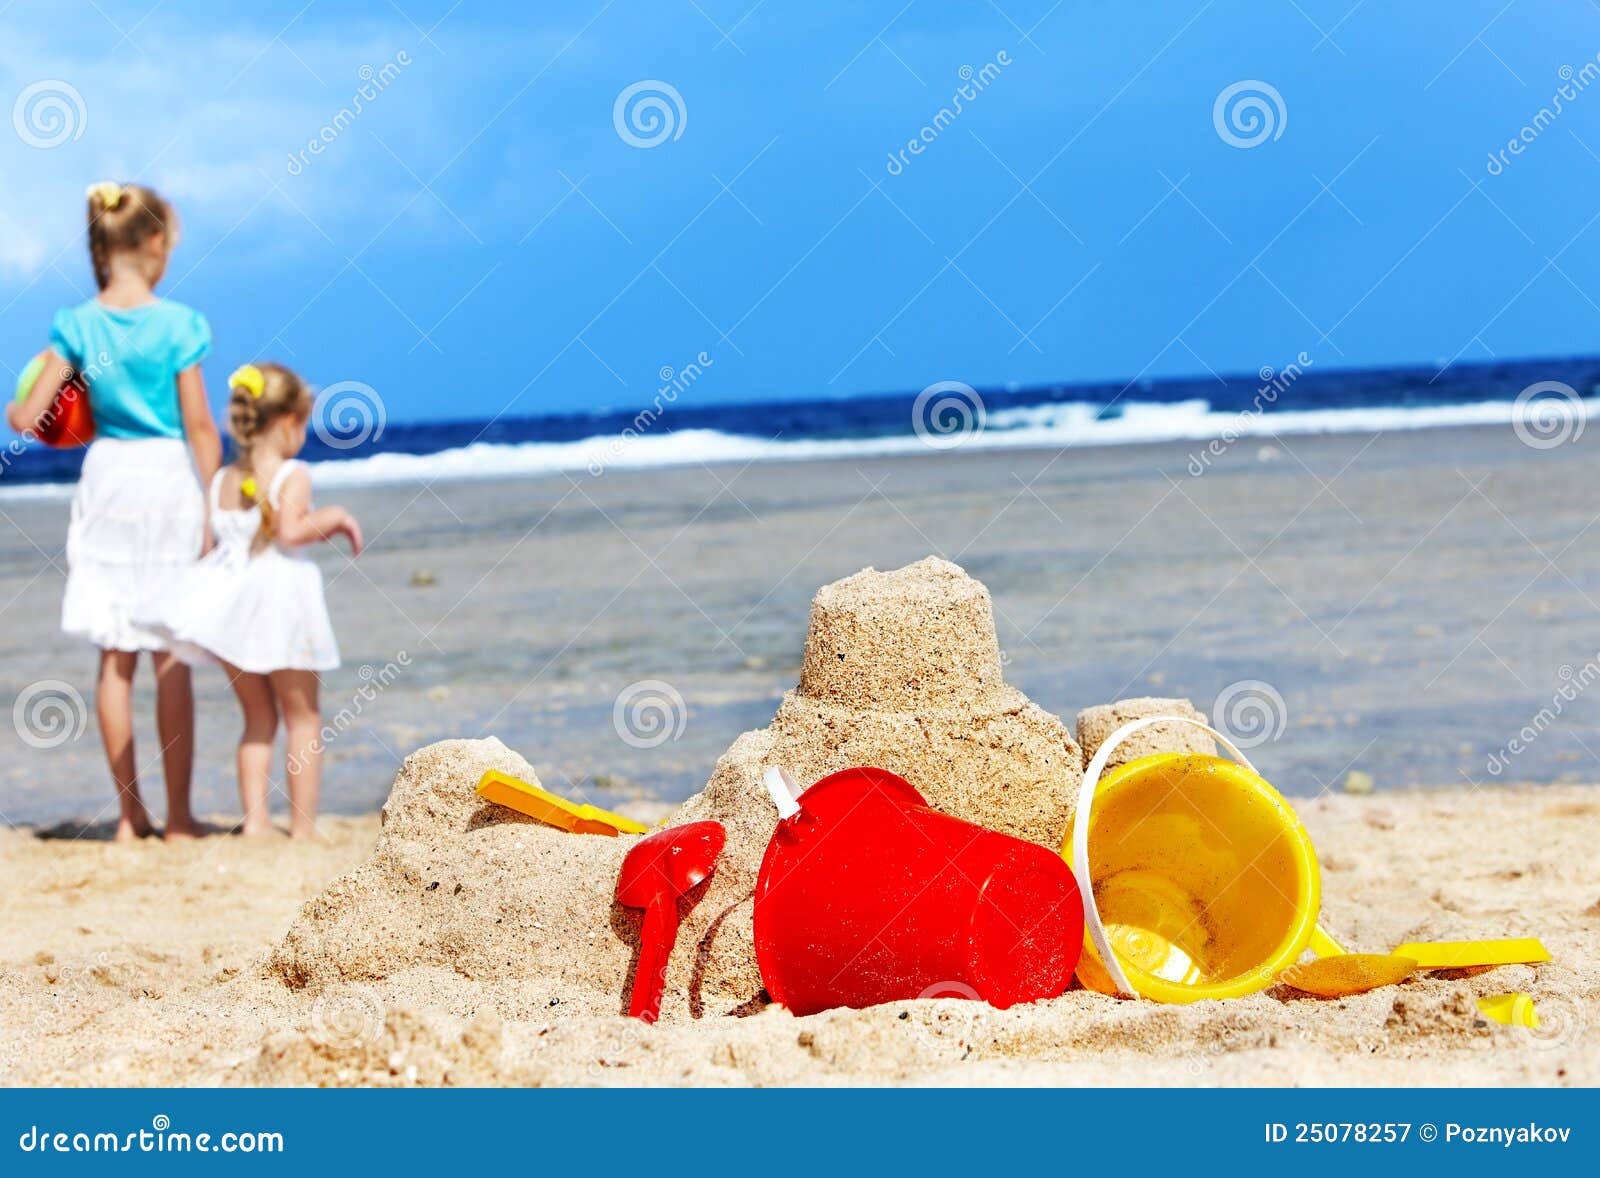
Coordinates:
(783, 789)
(1080, 834)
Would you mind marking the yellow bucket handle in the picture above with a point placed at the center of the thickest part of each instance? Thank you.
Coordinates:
(1321, 943)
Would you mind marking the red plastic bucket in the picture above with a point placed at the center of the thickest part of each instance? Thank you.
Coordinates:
(868, 895)
(69, 422)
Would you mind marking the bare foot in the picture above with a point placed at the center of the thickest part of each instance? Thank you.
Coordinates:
(307, 834)
(183, 832)
(132, 828)
(262, 830)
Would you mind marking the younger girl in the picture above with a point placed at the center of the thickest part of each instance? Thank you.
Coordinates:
(256, 602)
(138, 516)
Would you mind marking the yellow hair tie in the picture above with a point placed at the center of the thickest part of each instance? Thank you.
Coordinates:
(250, 379)
(247, 488)
(109, 192)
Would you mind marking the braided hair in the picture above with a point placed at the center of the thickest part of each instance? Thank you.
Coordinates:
(261, 394)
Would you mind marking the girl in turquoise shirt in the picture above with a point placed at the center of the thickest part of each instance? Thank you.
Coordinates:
(138, 516)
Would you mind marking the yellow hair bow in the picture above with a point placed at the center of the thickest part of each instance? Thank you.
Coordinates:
(250, 379)
(109, 192)
(247, 488)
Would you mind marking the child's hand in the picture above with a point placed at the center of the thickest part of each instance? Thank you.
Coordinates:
(346, 526)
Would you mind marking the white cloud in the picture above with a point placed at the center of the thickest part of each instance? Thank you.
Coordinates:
(208, 119)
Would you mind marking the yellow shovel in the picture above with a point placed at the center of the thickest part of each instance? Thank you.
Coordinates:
(529, 799)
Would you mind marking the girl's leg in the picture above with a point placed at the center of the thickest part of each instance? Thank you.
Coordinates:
(175, 727)
(113, 703)
(255, 747)
(296, 692)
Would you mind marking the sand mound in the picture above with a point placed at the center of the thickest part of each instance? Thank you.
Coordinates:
(411, 1049)
(469, 887)
(901, 671)
(134, 966)
(1097, 723)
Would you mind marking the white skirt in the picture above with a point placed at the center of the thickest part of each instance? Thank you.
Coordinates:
(261, 613)
(138, 520)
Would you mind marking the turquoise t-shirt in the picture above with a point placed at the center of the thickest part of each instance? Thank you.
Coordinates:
(130, 358)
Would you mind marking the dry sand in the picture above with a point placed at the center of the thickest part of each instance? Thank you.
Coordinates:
(471, 946)
(145, 965)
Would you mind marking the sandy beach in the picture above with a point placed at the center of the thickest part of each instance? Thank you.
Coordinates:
(1413, 598)
(142, 965)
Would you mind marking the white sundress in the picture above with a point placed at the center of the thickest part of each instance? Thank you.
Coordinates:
(262, 613)
(138, 517)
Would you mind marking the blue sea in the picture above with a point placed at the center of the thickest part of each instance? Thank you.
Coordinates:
(356, 444)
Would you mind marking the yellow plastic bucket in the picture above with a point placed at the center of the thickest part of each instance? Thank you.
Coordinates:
(1203, 882)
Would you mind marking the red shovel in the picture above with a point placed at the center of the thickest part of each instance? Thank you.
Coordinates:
(660, 868)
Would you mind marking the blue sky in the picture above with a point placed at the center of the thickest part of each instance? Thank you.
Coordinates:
(481, 239)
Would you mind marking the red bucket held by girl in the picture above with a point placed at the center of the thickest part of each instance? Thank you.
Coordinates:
(68, 424)
(868, 895)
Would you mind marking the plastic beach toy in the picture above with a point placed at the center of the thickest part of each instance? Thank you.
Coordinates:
(1344, 974)
(69, 422)
(1202, 883)
(657, 870)
(1474, 954)
(868, 895)
(1512, 1010)
(529, 799)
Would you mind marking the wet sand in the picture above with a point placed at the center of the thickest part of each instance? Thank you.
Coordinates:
(1416, 599)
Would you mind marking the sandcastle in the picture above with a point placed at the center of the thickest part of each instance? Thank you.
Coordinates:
(1096, 724)
(901, 670)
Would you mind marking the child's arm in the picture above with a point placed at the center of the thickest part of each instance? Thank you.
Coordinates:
(200, 431)
(26, 415)
(199, 428)
(298, 524)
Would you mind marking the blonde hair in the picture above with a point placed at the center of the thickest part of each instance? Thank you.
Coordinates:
(260, 395)
(122, 217)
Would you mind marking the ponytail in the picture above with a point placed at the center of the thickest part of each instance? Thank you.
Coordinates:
(122, 218)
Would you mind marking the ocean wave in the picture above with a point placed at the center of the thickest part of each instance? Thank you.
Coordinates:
(1049, 426)
(1071, 423)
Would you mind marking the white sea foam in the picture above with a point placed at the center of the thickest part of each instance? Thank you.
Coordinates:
(1037, 426)
(1068, 423)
